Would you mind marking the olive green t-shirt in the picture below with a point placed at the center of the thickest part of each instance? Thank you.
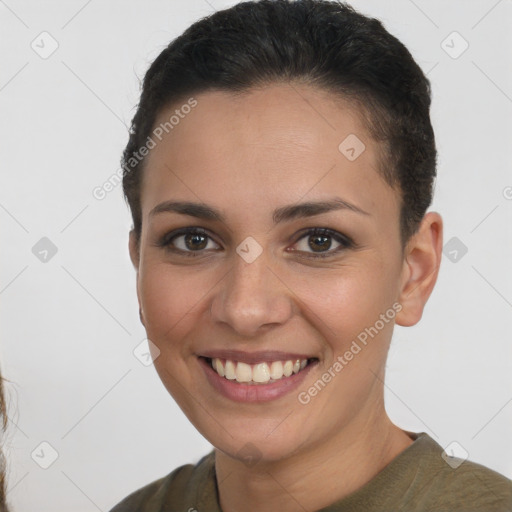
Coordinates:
(417, 479)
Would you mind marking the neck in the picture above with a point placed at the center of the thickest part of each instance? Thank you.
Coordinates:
(315, 477)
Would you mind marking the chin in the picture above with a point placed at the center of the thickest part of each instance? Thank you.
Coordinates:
(256, 441)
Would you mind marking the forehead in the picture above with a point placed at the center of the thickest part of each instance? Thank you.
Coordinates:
(265, 147)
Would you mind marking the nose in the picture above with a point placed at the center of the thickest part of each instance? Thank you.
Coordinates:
(252, 297)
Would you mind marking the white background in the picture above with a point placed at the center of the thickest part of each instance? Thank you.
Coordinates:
(69, 325)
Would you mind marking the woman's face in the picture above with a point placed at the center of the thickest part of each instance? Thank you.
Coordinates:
(248, 289)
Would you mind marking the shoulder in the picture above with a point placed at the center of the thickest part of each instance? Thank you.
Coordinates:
(474, 486)
(457, 484)
(185, 483)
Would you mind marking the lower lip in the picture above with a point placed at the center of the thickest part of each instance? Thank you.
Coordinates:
(240, 392)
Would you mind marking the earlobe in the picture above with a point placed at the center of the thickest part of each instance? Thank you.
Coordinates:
(421, 267)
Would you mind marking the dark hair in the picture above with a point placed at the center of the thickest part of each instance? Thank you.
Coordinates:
(3, 427)
(317, 42)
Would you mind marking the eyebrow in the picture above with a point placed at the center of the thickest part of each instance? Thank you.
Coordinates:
(282, 214)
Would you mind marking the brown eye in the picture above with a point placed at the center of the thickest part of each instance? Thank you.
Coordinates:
(188, 241)
(320, 241)
(195, 241)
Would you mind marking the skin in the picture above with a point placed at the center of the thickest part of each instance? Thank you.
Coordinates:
(247, 155)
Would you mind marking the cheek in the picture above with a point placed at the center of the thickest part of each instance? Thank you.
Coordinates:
(171, 300)
(339, 297)
(343, 303)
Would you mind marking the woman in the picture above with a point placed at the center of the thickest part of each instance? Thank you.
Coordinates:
(3, 483)
(279, 171)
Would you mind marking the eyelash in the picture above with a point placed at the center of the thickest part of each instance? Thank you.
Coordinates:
(346, 243)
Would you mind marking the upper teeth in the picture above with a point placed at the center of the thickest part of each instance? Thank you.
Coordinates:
(258, 373)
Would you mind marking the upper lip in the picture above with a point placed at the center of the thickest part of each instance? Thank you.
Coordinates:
(253, 357)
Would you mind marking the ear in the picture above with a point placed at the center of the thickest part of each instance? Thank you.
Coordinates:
(134, 249)
(422, 259)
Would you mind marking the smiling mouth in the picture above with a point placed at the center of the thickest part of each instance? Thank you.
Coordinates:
(260, 373)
